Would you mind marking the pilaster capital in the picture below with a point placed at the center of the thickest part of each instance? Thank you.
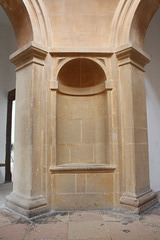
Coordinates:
(130, 54)
(30, 53)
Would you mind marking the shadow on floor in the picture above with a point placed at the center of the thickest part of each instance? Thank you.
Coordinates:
(5, 189)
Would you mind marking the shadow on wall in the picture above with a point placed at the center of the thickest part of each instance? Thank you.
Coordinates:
(7, 80)
(152, 82)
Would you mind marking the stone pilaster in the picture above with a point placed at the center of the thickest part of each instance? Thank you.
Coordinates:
(27, 197)
(135, 190)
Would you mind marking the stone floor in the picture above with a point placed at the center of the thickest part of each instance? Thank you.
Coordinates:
(89, 225)
(5, 189)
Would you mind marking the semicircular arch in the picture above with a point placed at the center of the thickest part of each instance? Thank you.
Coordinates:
(142, 17)
(83, 71)
(131, 21)
(29, 21)
(67, 60)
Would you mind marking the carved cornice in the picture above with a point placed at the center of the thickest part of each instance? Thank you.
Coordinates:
(132, 55)
(81, 52)
(140, 201)
(30, 53)
(29, 206)
(82, 168)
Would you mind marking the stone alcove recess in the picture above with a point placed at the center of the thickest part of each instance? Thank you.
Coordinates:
(80, 135)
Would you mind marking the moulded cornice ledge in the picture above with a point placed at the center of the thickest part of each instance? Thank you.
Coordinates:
(28, 206)
(30, 53)
(81, 52)
(82, 168)
(133, 55)
(141, 201)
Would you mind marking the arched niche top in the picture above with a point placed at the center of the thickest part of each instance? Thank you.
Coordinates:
(81, 73)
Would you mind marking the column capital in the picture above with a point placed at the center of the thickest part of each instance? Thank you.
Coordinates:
(129, 54)
(30, 53)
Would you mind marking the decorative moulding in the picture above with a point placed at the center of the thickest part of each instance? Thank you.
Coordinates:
(99, 52)
(28, 206)
(129, 54)
(81, 91)
(82, 168)
(140, 202)
(60, 59)
(53, 85)
(107, 85)
(30, 53)
(102, 60)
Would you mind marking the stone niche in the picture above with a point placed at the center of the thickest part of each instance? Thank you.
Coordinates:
(81, 113)
(81, 175)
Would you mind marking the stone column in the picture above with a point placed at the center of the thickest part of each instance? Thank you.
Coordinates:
(27, 197)
(136, 194)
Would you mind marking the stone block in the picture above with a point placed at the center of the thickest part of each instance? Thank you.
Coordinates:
(81, 180)
(100, 131)
(94, 230)
(99, 183)
(88, 131)
(82, 9)
(93, 131)
(62, 154)
(100, 150)
(63, 183)
(142, 167)
(100, 106)
(140, 119)
(68, 131)
(62, 108)
(141, 135)
(82, 153)
(81, 107)
(81, 201)
(106, 6)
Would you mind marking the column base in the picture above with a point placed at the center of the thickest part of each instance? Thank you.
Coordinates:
(26, 206)
(139, 203)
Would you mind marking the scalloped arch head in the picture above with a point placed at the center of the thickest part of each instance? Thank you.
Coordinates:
(81, 72)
